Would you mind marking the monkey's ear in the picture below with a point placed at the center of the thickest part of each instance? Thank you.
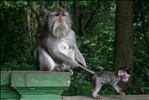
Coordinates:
(120, 73)
(47, 14)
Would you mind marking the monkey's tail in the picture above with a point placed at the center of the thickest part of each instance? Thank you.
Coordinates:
(88, 70)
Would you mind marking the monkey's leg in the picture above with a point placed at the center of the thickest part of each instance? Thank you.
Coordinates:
(45, 62)
(71, 55)
(66, 68)
(97, 88)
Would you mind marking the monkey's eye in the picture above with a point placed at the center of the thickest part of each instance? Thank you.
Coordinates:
(63, 15)
(57, 15)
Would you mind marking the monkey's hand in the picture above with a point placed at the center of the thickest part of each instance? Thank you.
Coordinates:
(98, 97)
(71, 71)
(81, 63)
(122, 93)
(95, 95)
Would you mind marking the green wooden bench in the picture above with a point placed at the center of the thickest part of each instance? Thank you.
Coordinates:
(33, 85)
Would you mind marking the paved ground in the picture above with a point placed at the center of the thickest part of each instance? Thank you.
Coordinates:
(108, 97)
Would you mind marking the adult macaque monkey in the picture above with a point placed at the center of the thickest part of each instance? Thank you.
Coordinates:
(57, 48)
(111, 78)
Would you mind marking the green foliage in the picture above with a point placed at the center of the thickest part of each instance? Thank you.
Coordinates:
(79, 85)
(139, 86)
(15, 49)
(96, 49)
(14, 65)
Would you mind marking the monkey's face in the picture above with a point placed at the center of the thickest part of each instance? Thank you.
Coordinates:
(125, 77)
(60, 26)
(124, 73)
(59, 22)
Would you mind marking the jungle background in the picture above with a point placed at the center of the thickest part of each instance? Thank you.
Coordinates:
(97, 29)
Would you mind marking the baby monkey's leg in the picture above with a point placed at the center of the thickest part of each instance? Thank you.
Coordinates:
(98, 82)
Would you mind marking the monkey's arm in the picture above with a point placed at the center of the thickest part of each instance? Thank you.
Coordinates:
(62, 58)
(118, 89)
(58, 56)
(78, 57)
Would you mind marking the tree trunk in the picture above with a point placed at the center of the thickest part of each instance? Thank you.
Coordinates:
(124, 37)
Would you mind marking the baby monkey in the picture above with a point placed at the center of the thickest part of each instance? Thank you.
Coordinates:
(108, 77)
(111, 78)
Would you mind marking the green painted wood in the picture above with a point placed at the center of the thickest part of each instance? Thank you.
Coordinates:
(5, 78)
(40, 85)
(40, 79)
(46, 90)
(33, 85)
(41, 97)
(7, 92)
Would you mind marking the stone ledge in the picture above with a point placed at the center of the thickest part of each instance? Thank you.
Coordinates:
(108, 97)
